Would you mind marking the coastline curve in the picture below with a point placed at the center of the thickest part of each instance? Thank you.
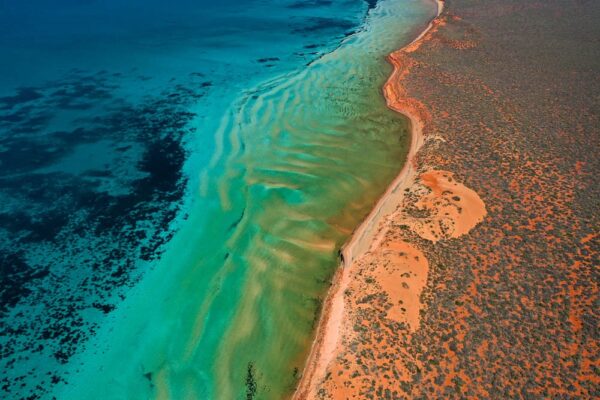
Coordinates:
(365, 236)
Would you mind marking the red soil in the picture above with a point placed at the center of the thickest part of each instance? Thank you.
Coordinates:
(508, 310)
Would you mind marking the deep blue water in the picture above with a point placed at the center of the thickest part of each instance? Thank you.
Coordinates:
(107, 110)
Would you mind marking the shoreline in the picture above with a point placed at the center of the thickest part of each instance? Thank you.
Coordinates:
(501, 209)
(365, 236)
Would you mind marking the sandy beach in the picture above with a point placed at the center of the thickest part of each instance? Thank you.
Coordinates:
(370, 234)
(435, 288)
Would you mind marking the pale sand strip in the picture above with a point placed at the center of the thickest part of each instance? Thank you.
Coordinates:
(365, 237)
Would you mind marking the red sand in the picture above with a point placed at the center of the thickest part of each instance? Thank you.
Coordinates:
(379, 264)
(507, 310)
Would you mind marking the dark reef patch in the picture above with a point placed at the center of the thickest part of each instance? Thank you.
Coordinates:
(15, 277)
(325, 25)
(371, 3)
(23, 95)
(310, 4)
(251, 386)
(89, 187)
(267, 59)
(311, 46)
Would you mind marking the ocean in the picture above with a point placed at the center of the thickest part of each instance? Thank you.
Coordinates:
(176, 179)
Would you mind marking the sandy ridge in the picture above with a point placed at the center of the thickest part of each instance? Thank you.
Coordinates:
(366, 235)
(396, 99)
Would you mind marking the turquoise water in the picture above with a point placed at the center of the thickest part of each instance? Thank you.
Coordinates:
(176, 183)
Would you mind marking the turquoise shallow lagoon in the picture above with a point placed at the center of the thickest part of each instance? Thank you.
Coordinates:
(176, 183)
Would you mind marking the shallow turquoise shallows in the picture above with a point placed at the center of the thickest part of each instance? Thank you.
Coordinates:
(179, 183)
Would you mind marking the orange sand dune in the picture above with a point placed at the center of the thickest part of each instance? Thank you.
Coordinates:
(452, 209)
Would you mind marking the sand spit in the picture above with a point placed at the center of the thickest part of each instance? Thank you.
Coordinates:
(431, 303)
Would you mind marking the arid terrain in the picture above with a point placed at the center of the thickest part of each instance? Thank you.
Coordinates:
(484, 281)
